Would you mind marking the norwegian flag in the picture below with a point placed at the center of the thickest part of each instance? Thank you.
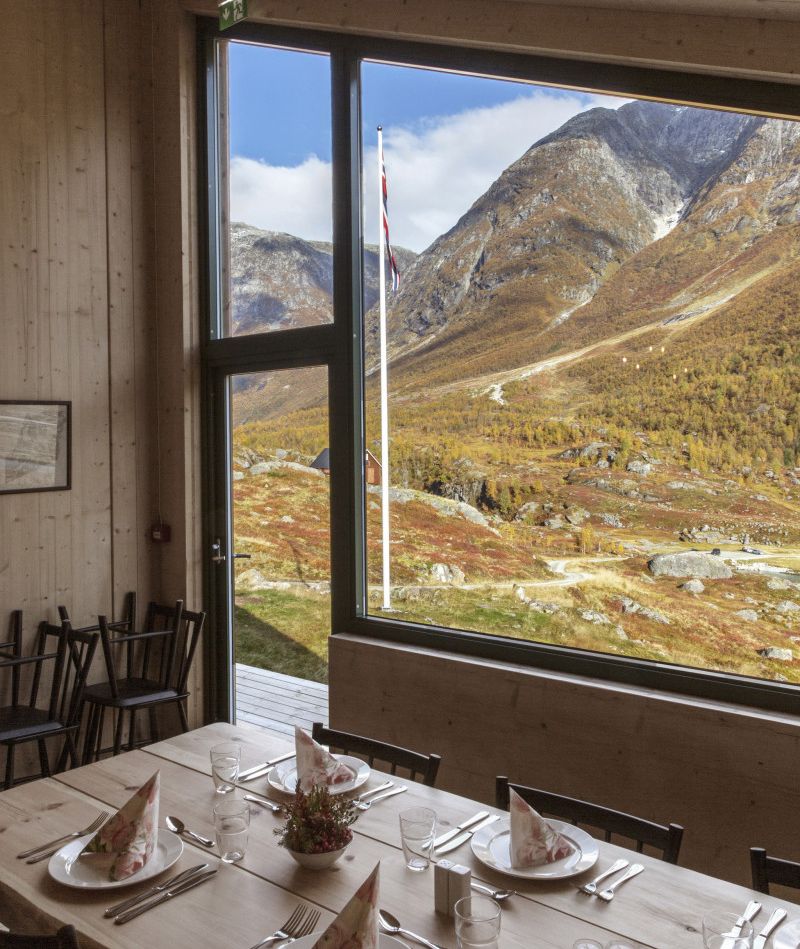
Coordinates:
(385, 216)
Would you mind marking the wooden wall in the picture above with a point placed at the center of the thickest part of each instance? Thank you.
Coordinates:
(730, 776)
(97, 299)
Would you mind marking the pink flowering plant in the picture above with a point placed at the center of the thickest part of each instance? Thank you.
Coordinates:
(317, 822)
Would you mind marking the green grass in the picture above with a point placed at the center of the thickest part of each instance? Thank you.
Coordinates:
(284, 631)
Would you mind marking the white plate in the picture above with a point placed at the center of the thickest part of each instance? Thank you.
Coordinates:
(283, 776)
(384, 941)
(787, 936)
(65, 867)
(491, 846)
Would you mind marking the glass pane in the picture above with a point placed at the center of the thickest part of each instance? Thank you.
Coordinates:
(281, 523)
(593, 369)
(276, 266)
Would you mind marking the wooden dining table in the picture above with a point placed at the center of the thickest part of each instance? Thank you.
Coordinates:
(662, 907)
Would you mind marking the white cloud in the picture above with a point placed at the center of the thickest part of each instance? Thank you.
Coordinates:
(435, 171)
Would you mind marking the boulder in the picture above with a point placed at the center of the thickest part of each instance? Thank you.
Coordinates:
(787, 606)
(594, 616)
(540, 607)
(611, 520)
(555, 523)
(631, 606)
(693, 586)
(528, 509)
(620, 633)
(577, 515)
(639, 467)
(749, 616)
(445, 573)
(775, 652)
(690, 564)
(238, 475)
(775, 583)
(287, 519)
(253, 579)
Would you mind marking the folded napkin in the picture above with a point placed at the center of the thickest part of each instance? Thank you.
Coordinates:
(533, 840)
(315, 765)
(356, 927)
(125, 843)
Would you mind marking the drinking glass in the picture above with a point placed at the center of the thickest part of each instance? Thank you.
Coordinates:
(231, 824)
(225, 765)
(477, 923)
(417, 831)
(587, 944)
(719, 928)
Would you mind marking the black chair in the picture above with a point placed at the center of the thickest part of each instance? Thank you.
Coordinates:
(23, 721)
(126, 624)
(145, 670)
(424, 766)
(65, 938)
(667, 839)
(768, 870)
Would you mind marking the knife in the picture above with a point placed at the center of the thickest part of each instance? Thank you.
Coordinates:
(158, 888)
(257, 770)
(377, 790)
(167, 895)
(752, 910)
(463, 838)
(382, 797)
(772, 923)
(457, 830)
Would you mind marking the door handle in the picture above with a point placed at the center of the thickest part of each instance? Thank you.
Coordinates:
(240, 556)
(217, 556)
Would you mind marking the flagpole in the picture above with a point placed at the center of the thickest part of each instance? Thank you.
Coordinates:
(387, 591)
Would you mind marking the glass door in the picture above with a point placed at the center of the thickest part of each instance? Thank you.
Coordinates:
(270, 543)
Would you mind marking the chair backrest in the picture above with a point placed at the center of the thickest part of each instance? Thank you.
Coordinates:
(37, 660)
(80, 647)
(126, 624)
(666, 838)
(189, 632)
(146, 655)
(768, 870)
(65, 938)
(424, 766)
(12, 649)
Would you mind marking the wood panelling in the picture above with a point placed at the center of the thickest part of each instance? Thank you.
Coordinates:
(674, 35)
(729, 775)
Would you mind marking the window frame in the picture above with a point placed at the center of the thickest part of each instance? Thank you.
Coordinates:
(339, 344)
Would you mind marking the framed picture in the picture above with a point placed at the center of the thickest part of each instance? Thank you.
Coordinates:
(35, 446)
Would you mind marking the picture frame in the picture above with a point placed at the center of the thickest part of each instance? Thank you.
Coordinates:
(35, 446)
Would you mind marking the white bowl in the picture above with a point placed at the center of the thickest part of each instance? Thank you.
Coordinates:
(317, 861)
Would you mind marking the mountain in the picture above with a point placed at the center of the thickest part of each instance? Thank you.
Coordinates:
(280, 281)
(645, 214)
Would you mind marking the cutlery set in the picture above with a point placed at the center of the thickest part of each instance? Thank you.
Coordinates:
(160, 893)
(260, 770)
(460, 835)
(607, 894)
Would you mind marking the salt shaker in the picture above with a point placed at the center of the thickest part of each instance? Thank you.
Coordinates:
(441, 886)
(460, 879)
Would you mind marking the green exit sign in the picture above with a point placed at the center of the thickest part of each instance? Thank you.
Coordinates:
(230, 12)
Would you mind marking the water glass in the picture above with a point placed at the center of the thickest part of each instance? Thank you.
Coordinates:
(417, 832)
(225, 765)
(587, 944)
(231, 824)
(477, 923)
(719, 929)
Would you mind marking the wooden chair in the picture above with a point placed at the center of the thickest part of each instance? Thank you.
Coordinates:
(424, 766)
(145, 670)
(667, 839)
(71, 656)
(768, 870)
(126, 624)
(65, 938)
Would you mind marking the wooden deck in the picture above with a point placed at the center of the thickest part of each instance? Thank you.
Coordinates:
(278, 702)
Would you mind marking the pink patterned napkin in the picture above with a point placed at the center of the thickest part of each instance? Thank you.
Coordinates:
(533, 840)
(315, 765)
(356, 927)
(124, 844)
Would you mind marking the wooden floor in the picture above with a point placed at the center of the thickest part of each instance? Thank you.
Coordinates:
(278, 702)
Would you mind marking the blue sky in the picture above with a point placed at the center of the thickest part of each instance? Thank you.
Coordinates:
(446, 139)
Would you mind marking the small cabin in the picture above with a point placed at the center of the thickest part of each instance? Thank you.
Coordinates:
(372, 467)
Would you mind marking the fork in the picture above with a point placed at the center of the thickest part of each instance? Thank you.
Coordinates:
(366, 805)
(90, 829)
(591, 888)
(300, 923)
(608, 894)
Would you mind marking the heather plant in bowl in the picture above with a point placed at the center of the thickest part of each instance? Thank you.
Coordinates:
(317, 829)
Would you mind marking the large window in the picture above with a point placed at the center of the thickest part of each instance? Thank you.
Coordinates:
(588, 451)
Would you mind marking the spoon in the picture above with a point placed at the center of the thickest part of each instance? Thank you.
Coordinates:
(391, 924)
(275, 808)
(497, 895)
(178, 827)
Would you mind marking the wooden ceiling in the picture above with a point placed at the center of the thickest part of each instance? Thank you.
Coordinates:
(761, 9)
